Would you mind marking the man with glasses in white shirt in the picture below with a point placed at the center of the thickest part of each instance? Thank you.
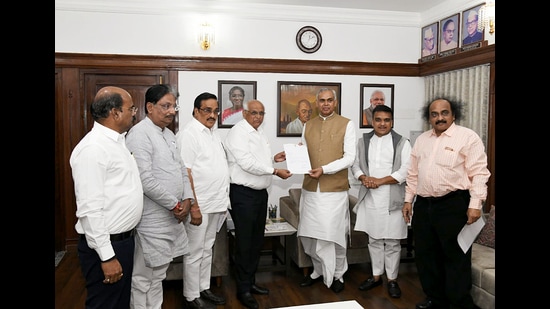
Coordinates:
(109, 200)
(250, 169)
(202, 152)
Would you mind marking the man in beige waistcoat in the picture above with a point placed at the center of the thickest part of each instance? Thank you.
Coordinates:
(324, 204)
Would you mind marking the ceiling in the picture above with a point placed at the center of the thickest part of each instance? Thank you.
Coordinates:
(415, 6)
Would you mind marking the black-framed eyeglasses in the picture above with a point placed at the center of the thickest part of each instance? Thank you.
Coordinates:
(255, 113)
(208, 111)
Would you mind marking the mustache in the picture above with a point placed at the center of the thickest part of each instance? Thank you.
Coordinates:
(440, 121)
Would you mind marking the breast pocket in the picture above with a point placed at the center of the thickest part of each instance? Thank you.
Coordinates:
(448, 157)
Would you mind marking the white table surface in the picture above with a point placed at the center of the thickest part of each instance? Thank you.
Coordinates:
(348, 304)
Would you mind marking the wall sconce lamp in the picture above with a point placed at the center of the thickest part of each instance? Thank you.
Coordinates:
(487, 17)
(206, 36)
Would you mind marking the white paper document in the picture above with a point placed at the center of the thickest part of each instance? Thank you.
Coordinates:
(469, 233)
(297, 158)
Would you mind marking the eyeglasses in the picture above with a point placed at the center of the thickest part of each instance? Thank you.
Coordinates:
(208, 111)
(471, 23)
(450, 30)
(255, 113)
(132, 109)
(168, 106)
(444, 113)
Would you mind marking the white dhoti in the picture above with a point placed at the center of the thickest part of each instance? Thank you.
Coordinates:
(323, 229)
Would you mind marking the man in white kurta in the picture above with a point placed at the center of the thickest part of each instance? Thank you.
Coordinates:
(203, 154)
(381, 166)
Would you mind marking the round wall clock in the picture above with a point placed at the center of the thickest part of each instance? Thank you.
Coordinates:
(309, 39)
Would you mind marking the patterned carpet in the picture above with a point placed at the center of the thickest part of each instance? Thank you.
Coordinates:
(58, 256)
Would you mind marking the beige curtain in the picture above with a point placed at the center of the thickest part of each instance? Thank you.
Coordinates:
(471, 86)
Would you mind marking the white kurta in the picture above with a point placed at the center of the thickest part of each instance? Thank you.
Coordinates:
(373, 216)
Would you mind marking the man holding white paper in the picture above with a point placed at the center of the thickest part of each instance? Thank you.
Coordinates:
(324, 202)
(448, 174)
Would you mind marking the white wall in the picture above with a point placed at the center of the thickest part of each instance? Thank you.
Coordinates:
(169, 27)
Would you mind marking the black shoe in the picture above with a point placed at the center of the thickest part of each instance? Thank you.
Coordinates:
(255, 289)
(308, 281)
(425, 304)
(370, 283)
(247, 300)
(199, 303)
(337, 286)
(393, 289)
(213, 298)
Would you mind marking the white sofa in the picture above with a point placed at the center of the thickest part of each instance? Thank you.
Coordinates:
(483, 274)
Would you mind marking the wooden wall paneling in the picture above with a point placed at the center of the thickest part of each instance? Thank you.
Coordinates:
(67, 126)
(59, 216)
(226, 64)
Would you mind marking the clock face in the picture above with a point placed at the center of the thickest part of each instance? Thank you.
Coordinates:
(308, 39)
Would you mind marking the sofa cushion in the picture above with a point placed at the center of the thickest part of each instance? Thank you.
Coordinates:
(483, 267)
(487, 235)
(295, 194)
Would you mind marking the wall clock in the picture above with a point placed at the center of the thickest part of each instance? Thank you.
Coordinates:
(309, 39)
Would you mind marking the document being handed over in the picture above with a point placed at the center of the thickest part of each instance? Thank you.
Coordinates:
(297, 158)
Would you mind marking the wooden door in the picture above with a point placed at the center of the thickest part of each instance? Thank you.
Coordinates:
(136, 84)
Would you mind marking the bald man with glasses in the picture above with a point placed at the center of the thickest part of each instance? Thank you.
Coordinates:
(251, 174)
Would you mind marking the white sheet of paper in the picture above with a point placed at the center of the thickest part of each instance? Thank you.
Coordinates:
(297, 158)
(469, 233)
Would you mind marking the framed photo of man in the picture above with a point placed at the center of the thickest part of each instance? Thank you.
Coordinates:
(297, 104)
(450, 32)
(430, 40)
(372, 95)
(471, 30)
(231, 97)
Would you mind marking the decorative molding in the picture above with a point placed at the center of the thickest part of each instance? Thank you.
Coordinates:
(478, 56)
(265, 11)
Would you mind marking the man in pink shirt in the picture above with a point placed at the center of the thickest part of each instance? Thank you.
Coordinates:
(448, 175)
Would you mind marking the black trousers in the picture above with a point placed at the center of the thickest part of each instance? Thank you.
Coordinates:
(248, 211)
(101, 295)
(443, 268)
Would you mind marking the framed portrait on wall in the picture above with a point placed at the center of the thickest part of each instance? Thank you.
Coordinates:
(430, 39)
(450, 32)
(471, 30)
(372, 95)
(296, 104)
(231, 96)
